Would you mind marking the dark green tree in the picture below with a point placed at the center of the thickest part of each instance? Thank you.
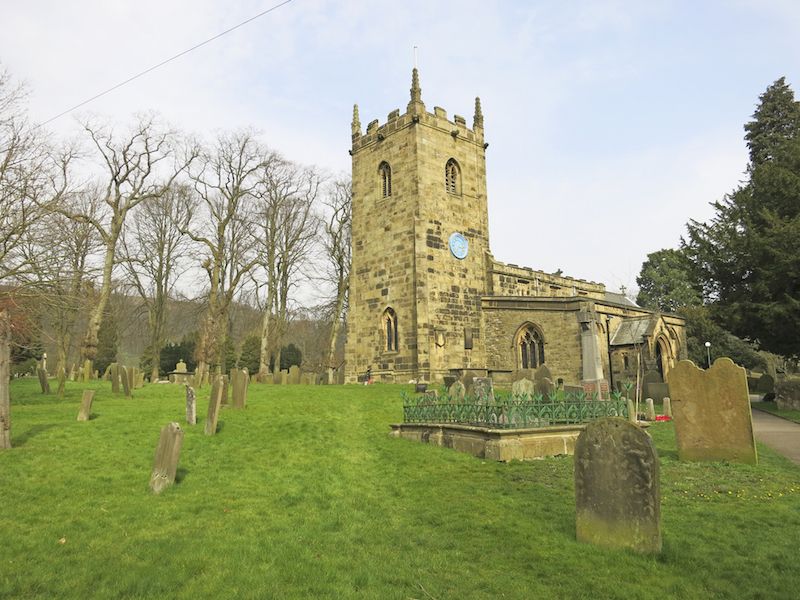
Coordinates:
(748, 254)
(667, 282)
(106, 343)
(290, 355)
(249, 358)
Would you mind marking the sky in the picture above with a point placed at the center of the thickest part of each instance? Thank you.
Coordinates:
(610, 124)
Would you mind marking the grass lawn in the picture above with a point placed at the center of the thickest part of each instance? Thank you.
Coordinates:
(772, 408)
(304, 495)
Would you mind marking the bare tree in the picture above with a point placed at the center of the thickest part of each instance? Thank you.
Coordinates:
(287, 227)
(337, 251)
(225, 181)
(136, 169)
(24, 167)
(153, 248)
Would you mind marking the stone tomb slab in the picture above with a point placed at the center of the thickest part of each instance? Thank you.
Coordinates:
(617, 495)
(711, 410)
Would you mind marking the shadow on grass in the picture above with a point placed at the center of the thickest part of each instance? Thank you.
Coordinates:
(220, 426)
(180, 474)
(32, 432)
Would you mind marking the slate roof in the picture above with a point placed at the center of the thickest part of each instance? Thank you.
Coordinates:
(617, 298)
(634, 331)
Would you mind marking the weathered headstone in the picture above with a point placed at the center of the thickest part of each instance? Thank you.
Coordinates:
(284, 377)
(266, 378)
(239, 381)
(650, 410)
(294, 375)
(5, 379)
(528, 374)
(85, 411)
(62, 382)
(544, 386)
(114, 378)
(522, 388)
(456, 392)
(168, 451)
(131, 378)
(214, 403)
(420, 388)
(543, 372)
(87, 370)
(43, 382)
(711, 410)
(632, 416)
(139, 379)
(107, 373)
(617, 496)
(191, 405)
(221, 380)
(449, 380)
(656, 391)
(483, 390)
(126, 382)
(667, 406)
(180, 366)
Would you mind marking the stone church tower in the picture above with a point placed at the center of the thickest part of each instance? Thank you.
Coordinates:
(420, 244)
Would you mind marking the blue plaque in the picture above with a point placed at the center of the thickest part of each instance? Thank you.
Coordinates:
(459, 246)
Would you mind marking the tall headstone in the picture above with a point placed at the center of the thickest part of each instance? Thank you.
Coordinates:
(5, 378)
(180, 367)
(87, 370)
(523, 389)
(711, 410)
(191, 406)
(214, 403)
(43, 381)
(667, 406)
(114, 374)
(131, 378)
(617, 495)
(85, 411)
(650, 409)
(294, 375)
(456, 392)
(632, 416)
(126, 382)
(483, 390)
(284, 377)
(165, 463)
(239, 381)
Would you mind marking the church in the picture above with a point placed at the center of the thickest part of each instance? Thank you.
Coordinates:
(428, 299)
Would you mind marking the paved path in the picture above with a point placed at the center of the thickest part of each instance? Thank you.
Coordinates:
(779, 434)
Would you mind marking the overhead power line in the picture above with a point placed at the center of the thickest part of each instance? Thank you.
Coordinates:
(164, 62)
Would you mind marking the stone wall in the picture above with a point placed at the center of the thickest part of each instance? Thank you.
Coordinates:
(787, 394)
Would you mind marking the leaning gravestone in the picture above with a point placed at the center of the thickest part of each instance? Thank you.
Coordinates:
(126, 382)
(711, 410)
(456, 392)
(544, 386)
(483, 390)
(294, 375)
(214, 403)
(617, 497)
(221, 380)
(239, 381)
(43, 382)
(191, 405)
(522, 388)
(165, 464)
(114, 378)
(85, 411)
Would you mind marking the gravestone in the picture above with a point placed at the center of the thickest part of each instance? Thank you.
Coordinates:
(284, 377)
(214, 403)
(114, 378)
(165, 463)
(648, 379)
(5, 380)
(191, 405)
(542, 373)
(266, 378)
(529, 374)
(85, 411)
(650, 411)
(456, 392)
(711, 410)
(766, 384)
(62, 382)
(544, 386)
(632, 416)
(667, 406)
(43, 381)
(294, 375)
(139, 379)
(483, 390)
(656, 391)
(131, 378)
(87, 370)
(420, 388)
(617, 496)
(126, 382)
(239, 381)
(522, 388)
(180, 366)
(449, 380)
(107, 373)
(221, 380)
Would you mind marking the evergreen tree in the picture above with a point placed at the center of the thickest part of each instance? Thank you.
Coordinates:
(748, 254)
(106, 343)
(250, 356)
(667, 282)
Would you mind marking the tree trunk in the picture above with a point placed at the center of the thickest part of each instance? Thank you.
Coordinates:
(336, 322)
(89, 349)
(5, 375)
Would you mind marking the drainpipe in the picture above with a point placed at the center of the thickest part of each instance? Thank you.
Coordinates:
(608, 345)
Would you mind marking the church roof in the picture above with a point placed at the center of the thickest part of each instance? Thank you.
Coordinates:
(617, 298)
(634, 331)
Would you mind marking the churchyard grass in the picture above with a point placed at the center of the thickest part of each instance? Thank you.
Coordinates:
(304, 495)
(772, 408)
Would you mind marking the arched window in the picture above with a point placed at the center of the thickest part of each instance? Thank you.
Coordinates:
(389, 326)
(452, 177)
(385, 172)
(530, 347)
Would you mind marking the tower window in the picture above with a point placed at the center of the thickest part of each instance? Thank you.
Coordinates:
(530, 347)
(385, 172)
(452, 177)
(390, 330)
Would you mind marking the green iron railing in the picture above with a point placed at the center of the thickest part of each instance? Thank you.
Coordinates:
(513, 412)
